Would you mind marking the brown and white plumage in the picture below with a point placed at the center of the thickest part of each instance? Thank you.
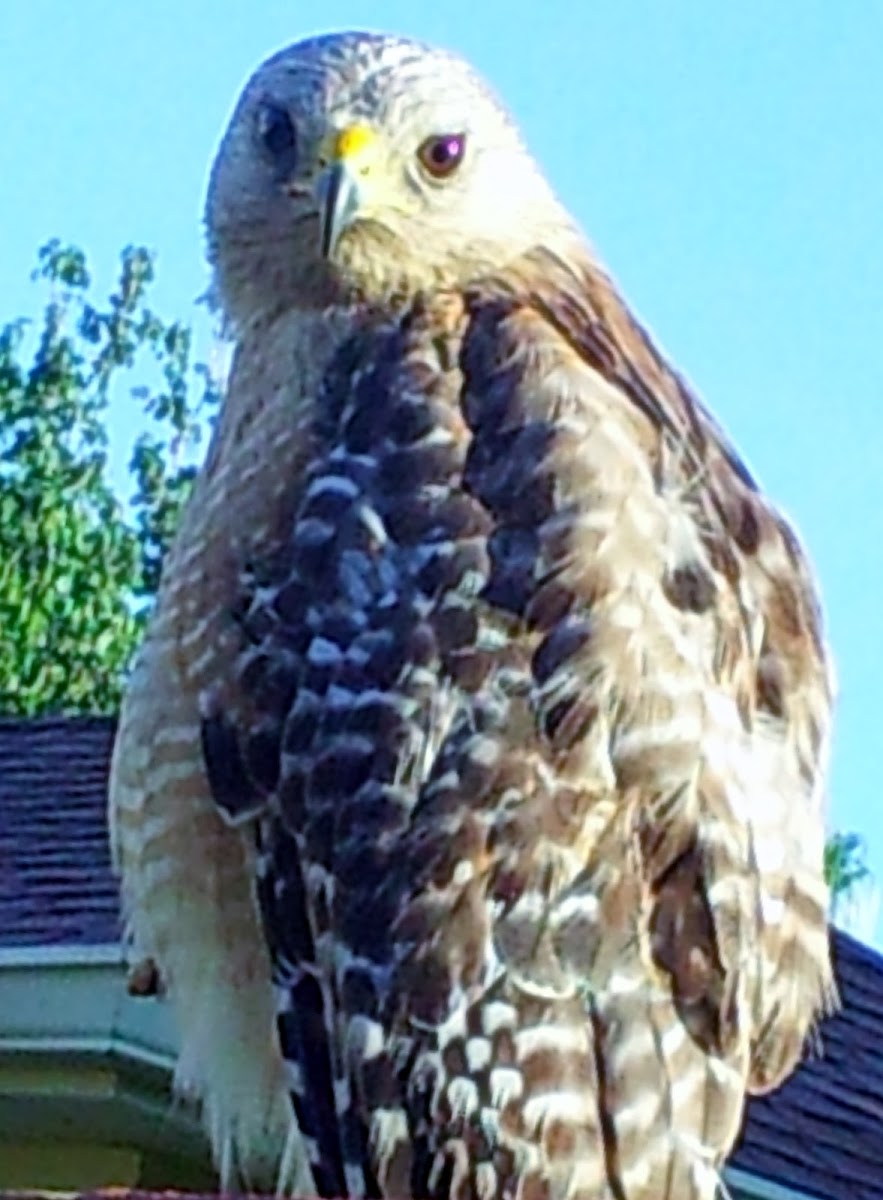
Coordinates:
(507, 681)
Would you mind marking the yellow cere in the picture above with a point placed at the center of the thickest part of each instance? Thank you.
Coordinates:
(353, 142)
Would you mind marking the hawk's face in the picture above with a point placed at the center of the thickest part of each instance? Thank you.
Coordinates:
(360, 166)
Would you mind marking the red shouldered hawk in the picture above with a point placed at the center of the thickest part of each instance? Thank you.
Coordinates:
(482, 719)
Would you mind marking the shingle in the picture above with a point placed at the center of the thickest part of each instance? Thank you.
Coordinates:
(822, 1133)
(56, 885)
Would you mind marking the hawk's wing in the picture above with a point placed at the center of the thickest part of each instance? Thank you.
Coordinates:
(186, 876)
(535, 708)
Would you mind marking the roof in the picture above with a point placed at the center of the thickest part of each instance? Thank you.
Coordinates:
(821, 1134)
(56, 883)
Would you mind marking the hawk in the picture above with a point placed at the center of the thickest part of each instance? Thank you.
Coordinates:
(468, 788)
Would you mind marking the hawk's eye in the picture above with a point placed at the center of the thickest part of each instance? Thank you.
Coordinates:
(276, 131)
(442, 153)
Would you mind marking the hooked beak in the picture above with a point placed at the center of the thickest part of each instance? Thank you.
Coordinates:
(342, 185)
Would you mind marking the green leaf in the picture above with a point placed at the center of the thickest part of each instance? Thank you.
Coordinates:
(77, 570)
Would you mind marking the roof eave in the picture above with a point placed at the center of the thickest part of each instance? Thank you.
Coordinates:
(757, 1187)
(73, 999)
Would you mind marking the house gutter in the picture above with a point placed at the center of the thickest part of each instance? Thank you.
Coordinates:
(755, 1187)
(74, 1000)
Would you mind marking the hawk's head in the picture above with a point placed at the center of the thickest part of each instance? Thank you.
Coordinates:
(363, 166)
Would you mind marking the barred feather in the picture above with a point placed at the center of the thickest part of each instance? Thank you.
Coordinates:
(522, 772)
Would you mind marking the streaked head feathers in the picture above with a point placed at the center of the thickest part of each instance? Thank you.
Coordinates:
(357, 165)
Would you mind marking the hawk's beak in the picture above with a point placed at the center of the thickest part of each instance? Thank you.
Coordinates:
(342, 185)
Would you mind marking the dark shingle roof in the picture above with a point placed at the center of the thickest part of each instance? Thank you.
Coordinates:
(821, 1134)
(56, 885)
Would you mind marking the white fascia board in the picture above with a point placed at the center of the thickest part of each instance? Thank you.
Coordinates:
(756, 1187)
(60, 956)
(75, 1000)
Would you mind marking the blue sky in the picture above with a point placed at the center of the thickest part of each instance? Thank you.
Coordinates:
(725, 159)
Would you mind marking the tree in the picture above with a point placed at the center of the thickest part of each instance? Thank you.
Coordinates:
(77, 570)
(846, 869)
(845, 865)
